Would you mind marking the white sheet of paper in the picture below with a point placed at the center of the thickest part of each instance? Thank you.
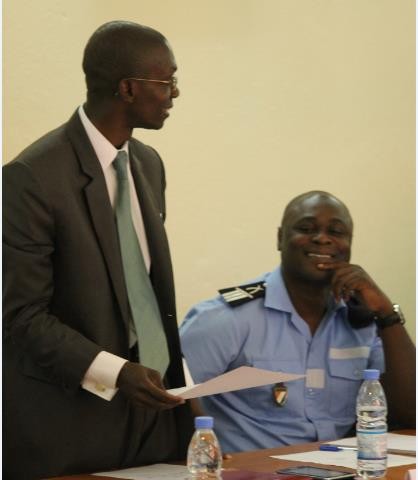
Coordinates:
(343, 458)
(411, 474)
(242, 377)
(395, 441)
(158, 471)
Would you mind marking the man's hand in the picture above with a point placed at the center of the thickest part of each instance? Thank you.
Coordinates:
(399, 377)
(144, 387)
(352, 281)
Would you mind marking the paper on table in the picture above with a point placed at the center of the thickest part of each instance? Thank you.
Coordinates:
(343, 458)
(158, 471)
(411, 474)
(395, 441)
(242, 377)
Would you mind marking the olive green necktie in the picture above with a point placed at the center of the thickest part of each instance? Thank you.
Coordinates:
(153, 350)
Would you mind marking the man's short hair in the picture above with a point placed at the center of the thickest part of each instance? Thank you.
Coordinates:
(117, 50)
(313, 193)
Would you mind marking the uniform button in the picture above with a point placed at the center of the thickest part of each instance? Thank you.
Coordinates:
(357, 373)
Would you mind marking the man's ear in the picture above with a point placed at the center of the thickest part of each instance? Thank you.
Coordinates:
(125, 91)
(279, 239)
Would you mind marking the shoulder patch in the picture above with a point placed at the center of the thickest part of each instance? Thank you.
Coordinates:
(235, 296)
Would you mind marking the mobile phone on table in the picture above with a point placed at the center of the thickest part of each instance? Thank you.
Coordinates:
(314, 472)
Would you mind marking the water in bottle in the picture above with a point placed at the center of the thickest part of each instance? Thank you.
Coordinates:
(204, 457)
(371, 427)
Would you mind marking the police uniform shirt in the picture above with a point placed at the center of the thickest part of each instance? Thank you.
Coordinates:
(268, 333)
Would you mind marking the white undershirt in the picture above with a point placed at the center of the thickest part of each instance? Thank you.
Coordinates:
(103, 372)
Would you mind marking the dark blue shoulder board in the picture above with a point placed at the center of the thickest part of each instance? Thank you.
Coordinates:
(235, 296)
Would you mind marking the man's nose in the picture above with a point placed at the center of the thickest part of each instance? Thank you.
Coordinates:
(175, 92)
(321, 237)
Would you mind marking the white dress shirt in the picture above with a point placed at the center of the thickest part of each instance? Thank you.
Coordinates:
(103, 372)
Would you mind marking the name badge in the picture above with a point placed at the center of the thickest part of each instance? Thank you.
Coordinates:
(280, 394)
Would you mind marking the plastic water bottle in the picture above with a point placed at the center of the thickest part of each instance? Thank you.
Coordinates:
(371, 427)
(204, 457)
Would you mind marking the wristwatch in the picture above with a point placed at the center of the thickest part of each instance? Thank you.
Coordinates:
(395, 317)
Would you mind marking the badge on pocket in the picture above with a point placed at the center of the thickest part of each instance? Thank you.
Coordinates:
(280, 394)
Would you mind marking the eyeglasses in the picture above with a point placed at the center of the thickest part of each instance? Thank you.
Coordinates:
(172, 83)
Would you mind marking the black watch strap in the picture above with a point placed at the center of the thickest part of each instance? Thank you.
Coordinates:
(392, 319)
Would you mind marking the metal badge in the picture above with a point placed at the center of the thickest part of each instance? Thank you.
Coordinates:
(280, 394)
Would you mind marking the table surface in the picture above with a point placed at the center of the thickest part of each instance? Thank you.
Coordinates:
(260, 461)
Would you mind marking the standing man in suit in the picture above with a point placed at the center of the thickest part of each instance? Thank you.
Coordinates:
(83, 213)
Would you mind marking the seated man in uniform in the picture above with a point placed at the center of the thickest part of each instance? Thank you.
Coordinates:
(318, 315)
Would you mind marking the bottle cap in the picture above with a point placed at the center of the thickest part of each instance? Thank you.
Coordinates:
(371, 374)
(203, 422)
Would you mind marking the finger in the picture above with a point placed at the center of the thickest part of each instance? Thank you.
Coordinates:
(338, 286)
(344, 280)
(331, 265)
(342, 291)
(339, 269)
(348, 272)
(141, 398)
(145, 402)
(160, 394)
(348, 294)
(153, 385)
(347, 282)
(155, 378)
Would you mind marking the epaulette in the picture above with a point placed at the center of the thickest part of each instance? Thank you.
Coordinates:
(235, 296)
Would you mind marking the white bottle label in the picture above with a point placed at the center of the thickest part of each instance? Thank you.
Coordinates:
(371, 445)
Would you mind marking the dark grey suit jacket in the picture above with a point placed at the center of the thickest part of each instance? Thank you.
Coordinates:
(65, 300)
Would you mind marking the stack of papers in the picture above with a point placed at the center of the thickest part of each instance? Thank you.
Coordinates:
(158, 471)
(348, 458)
(402, 443)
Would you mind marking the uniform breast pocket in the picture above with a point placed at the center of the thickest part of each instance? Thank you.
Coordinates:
(263, 396)
(344, 382)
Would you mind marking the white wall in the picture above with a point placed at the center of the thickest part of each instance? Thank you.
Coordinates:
(277, 97)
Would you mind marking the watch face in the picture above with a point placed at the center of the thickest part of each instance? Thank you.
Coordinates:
(397, 309)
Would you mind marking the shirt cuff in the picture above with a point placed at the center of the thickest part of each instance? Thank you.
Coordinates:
(100, 378)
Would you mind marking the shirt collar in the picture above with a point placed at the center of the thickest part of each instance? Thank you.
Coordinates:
(278, 298)
(105, 151)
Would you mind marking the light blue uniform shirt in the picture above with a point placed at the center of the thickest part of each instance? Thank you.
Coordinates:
(268, 333)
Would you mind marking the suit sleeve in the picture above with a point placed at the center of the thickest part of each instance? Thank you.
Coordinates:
(55, 351)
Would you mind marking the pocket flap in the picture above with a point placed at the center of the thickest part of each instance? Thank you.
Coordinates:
(351, 369)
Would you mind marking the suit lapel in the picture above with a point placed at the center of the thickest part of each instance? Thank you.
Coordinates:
(100, 209)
